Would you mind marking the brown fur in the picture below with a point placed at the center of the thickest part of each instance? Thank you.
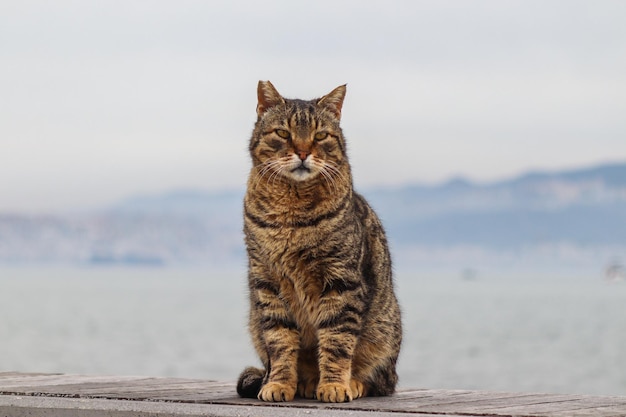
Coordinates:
(323, 314)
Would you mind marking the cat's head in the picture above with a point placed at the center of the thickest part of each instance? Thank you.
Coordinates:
(298, 140)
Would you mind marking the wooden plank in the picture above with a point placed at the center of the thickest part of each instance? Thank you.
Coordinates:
(23, 374)
(72, 407)
(416, 401)
(582, 406)
(42, 380)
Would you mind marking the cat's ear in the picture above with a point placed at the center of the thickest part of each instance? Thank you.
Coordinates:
(333, 101)
(268, 97)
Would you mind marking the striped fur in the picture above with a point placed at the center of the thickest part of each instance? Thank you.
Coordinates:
(324, 318)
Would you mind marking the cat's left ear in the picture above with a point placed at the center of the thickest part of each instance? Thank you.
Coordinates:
(333, 101)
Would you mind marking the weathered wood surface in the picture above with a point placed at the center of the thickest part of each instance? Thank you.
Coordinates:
(219, 398)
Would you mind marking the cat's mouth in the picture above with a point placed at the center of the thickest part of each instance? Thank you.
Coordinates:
(301, 169)
(301, 172)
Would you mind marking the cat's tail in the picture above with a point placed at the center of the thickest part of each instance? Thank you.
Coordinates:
(250, 382)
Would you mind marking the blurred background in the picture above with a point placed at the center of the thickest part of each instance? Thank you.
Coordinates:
(489, 136)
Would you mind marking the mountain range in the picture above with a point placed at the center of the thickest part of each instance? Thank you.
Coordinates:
(568, 216)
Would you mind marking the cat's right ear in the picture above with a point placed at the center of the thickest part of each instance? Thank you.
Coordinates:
(268, 97)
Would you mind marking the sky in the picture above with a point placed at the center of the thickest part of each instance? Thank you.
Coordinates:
(103, 100)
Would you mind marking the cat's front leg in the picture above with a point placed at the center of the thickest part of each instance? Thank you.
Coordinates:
(275, 333)
(338, 333)
(335, 361)
(282, 351)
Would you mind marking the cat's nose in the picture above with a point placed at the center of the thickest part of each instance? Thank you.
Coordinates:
(303, 155)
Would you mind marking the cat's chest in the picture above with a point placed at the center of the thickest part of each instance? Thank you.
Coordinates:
(288, 240)
(302, 296)
(296, 253)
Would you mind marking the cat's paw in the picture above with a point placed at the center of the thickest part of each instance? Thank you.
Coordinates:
(307, 389)
(276, 391)
(358, 389)
(334, 392)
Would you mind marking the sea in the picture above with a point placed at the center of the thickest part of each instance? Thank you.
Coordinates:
(492, 330)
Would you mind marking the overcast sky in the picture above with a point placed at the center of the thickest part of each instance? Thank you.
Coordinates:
(101, 100)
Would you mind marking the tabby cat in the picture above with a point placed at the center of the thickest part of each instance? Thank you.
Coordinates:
(324, 318)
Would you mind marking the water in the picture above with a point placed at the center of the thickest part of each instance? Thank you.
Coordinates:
(508, 334)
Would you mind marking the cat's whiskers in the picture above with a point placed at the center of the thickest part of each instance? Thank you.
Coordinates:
(274, 175)
(265, 167)
(326, 178)
(329, 180)
(268, 168)
(283, 164)
(326, 173)
(334, 171)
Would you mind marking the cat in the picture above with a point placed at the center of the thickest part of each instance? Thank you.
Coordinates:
(324, 318)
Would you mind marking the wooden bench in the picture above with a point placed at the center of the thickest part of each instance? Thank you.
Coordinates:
(120, 396)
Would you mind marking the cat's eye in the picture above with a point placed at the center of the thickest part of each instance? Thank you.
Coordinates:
(321, 135)
(283, 133)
